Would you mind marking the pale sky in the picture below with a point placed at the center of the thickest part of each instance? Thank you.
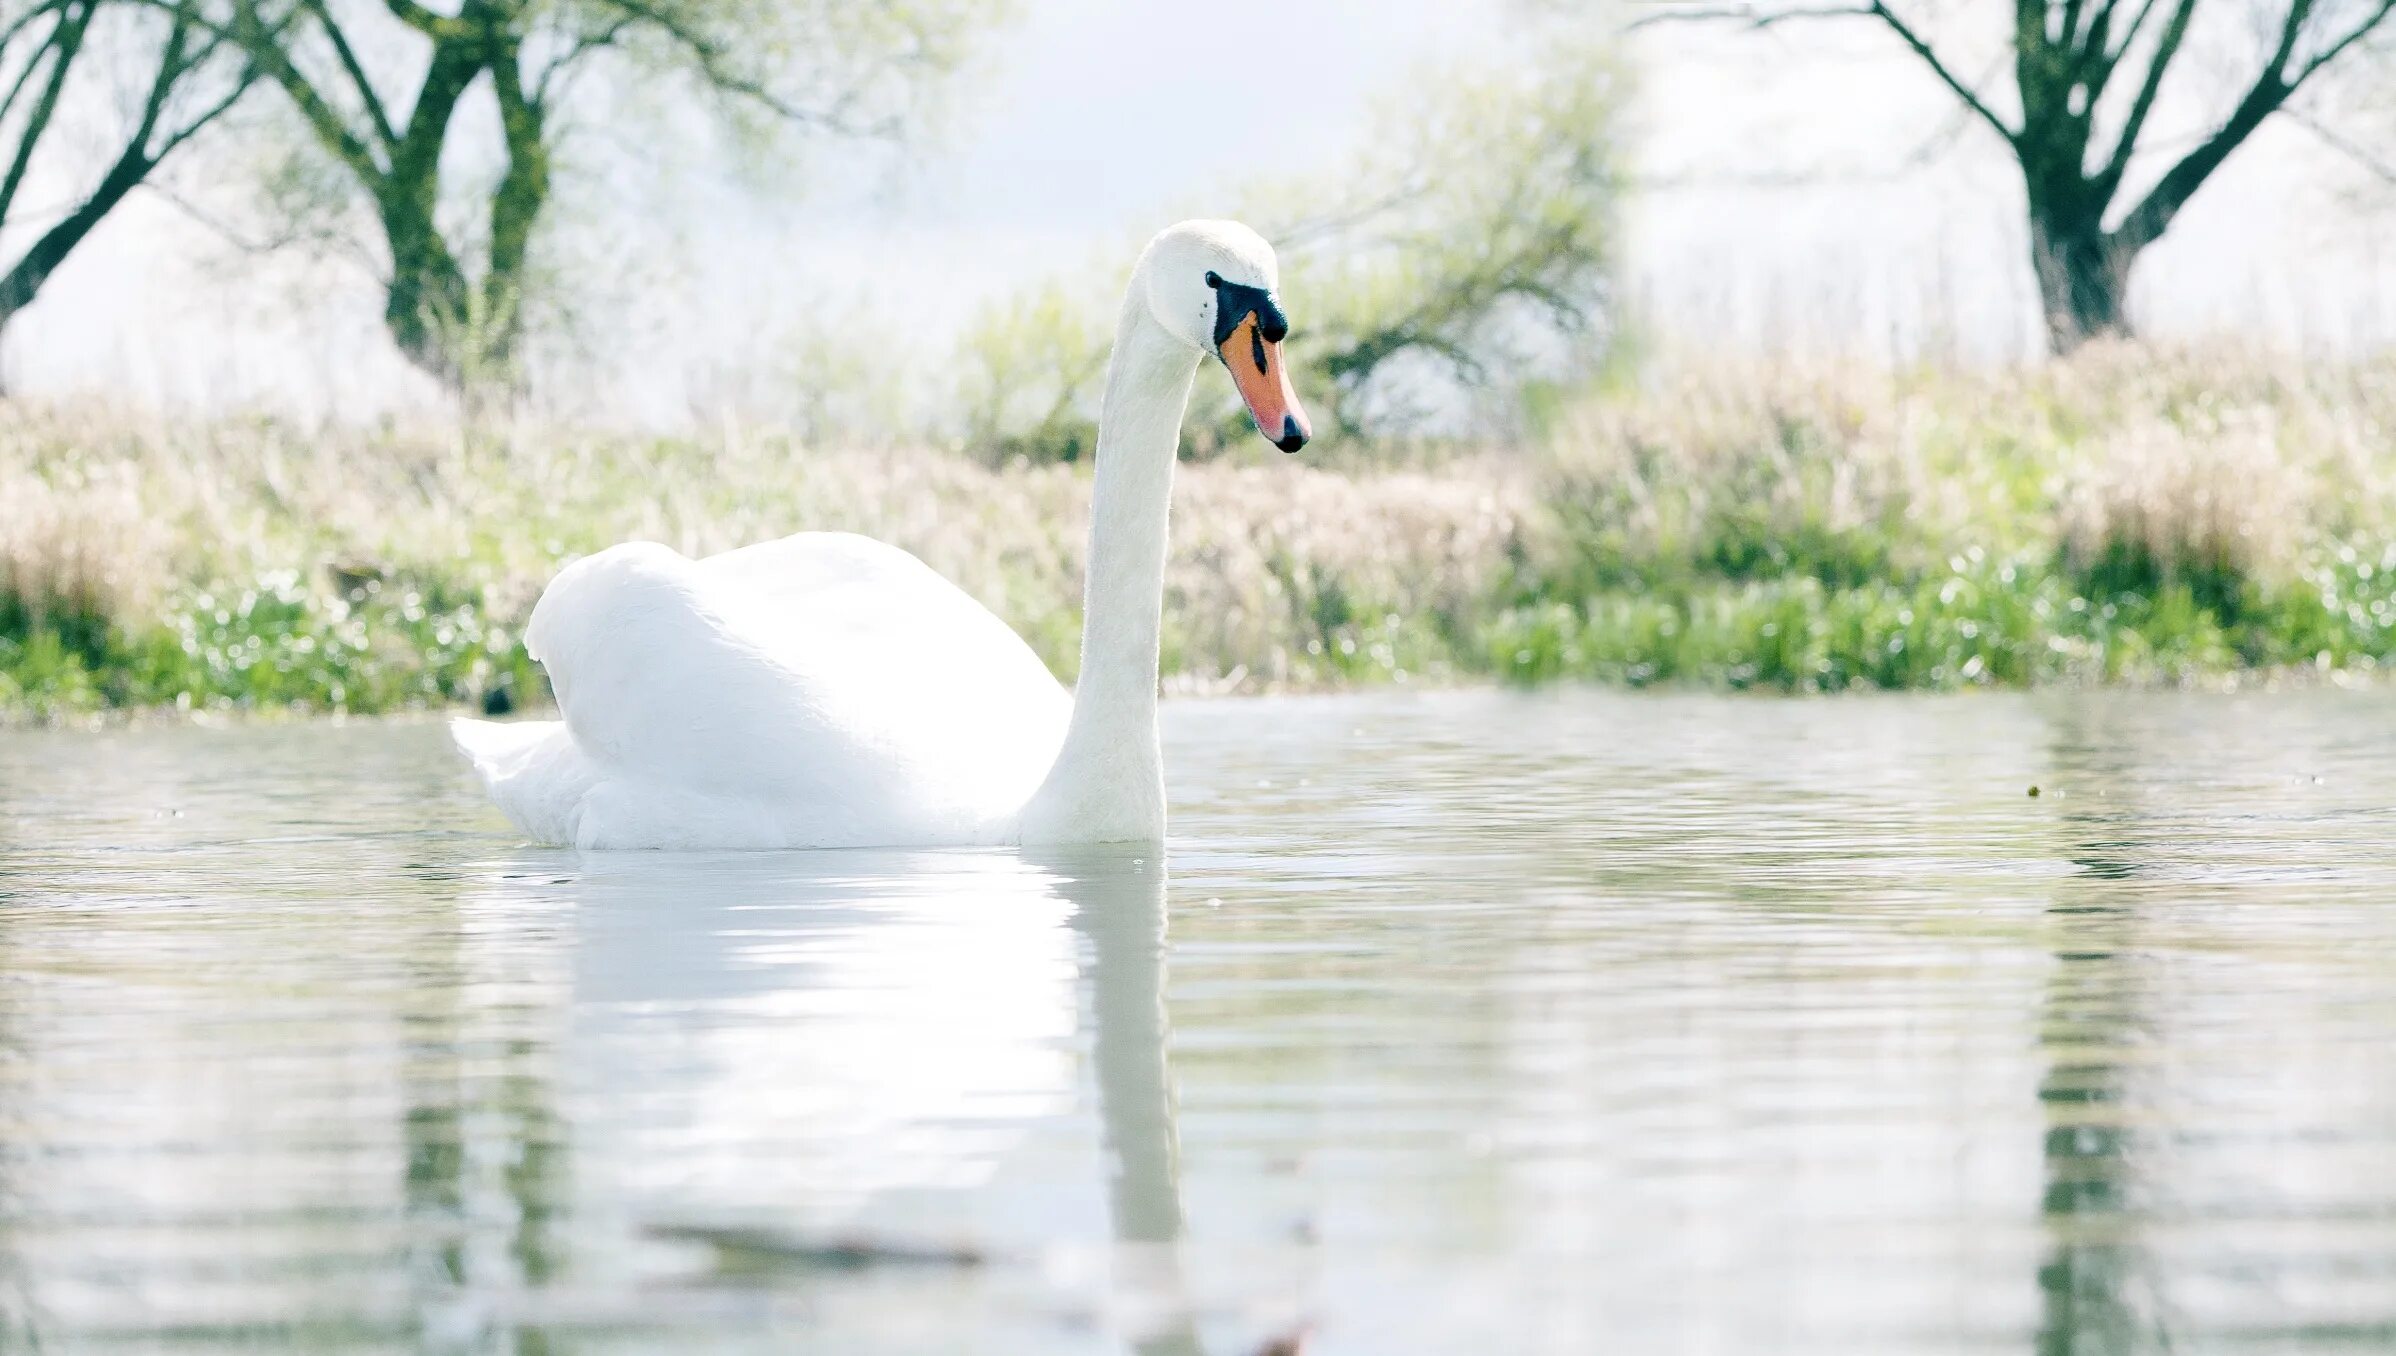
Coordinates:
(1091, 123)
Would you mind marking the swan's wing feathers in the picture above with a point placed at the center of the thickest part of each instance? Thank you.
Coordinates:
(496, 749)
(788, 569)
(652, 677)
(900, 659)
(839, 608)
(819, 666)
(533, 771)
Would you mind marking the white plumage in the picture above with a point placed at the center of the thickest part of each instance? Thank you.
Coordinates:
(824, 690)
(827, 690)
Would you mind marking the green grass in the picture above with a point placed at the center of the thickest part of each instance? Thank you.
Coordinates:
(265, 644)
(1979, 623)
(2130, 516)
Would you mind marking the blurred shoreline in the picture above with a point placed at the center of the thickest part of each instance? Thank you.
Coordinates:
(2132, 514)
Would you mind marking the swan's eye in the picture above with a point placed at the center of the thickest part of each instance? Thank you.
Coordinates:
(1213, 279)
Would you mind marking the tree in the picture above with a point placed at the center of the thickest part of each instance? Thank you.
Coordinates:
(1465, 259)
(457, 283)
(1476, 256)
(2087, 76)
(190, 78)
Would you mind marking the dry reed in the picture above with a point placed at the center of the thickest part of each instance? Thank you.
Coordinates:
(2127, 513)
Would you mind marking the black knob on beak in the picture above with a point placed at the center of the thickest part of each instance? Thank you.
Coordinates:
(1292, 436)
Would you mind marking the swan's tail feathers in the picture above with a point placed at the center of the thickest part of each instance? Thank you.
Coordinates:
(534, 773)
(490, 745)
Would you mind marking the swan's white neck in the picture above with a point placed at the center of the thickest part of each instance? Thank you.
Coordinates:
(1108, 781)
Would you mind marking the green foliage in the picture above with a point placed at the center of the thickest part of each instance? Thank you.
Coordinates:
(1977, 623)
(1029, 379)
(271, 643)
(1472, 266)
(2127, 516)
(777, 71)
(1456, 275)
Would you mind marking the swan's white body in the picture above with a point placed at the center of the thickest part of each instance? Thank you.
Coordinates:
(824, 690)
(827, 690)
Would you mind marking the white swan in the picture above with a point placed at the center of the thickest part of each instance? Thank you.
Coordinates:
(828, 690)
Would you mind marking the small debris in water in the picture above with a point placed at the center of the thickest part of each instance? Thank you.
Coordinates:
(2033, 793)
(846, 1253)
(1292, 1343)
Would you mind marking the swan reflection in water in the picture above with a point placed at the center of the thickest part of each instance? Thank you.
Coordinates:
(833, 1047)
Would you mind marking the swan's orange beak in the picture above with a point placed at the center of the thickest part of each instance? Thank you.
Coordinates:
(1264, 382)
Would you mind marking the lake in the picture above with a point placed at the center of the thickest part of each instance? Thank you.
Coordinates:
(1558, 1022)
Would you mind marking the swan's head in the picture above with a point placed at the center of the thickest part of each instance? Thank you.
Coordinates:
(1211, 285)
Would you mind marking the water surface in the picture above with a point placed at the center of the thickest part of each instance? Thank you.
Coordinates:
(1550, 1023)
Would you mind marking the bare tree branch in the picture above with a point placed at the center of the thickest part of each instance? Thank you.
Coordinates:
(266, 46)
(1756, 17)
(1939, 69)
(2148, 221)
(2342, 144)
(2071, 35)
(231, 234)
(2129, 35)
(379, 121)
(171, 69)
(2109, 54)
(545, 84)
(2291, 33)
(2167, 49)
(193, 126)
(27, 19)
(32, 66)
(714, 67)
(2338, 48)
(1751, 15)
(2091, 43)
(63, 45)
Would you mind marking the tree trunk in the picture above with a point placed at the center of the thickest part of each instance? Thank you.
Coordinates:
(467, 336)
(428, 309)
(2083, 281)
(516, 207)
(425, 307)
